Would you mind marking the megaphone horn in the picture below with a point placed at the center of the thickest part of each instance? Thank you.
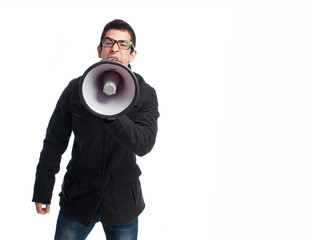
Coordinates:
(108, 89)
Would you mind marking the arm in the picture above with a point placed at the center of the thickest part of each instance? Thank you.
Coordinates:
(138, 135)
(55, 144)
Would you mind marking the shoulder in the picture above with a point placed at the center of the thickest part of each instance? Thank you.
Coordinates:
(74, 83)
(147, 94)
(70, 92)
(73, 86)
(143, 85)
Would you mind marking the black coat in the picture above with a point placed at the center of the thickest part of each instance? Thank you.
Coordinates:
(102, 173)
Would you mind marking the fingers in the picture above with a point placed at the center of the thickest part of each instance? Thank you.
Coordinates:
(48, 208)
(42, 208)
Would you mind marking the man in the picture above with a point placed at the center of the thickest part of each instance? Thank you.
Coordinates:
(102, 178)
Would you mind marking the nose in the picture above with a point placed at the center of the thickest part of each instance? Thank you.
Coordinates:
(115, 47)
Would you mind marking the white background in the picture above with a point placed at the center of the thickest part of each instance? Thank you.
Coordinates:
(233, 153)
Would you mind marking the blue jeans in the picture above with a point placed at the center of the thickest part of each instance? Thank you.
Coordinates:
(68, 228)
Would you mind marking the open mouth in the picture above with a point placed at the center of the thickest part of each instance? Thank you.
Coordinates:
(114, 58)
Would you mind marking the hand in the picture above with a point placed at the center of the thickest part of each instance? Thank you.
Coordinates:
(41, 209)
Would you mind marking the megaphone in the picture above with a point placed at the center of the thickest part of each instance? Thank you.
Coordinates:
(108, 89)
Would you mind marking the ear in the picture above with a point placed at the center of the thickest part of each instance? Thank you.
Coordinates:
(99, 50)
(132, 55)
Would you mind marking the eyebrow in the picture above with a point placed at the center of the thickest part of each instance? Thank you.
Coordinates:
(118, 40)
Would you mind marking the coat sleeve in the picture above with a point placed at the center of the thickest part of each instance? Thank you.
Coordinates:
(54, 145)
(139, 134)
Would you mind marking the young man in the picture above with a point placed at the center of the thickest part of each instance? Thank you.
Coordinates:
(102, 178)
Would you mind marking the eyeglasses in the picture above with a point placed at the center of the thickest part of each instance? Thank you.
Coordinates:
(122, 44)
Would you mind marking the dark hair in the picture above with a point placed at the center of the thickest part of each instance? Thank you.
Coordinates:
(119, 24)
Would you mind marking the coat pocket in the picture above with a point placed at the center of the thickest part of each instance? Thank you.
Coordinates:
(126, 188)
(74, 191)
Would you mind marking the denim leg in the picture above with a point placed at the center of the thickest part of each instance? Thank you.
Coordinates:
(128, 231)
(68, 228)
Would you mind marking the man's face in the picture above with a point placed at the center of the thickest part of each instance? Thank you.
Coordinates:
(108, 53)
